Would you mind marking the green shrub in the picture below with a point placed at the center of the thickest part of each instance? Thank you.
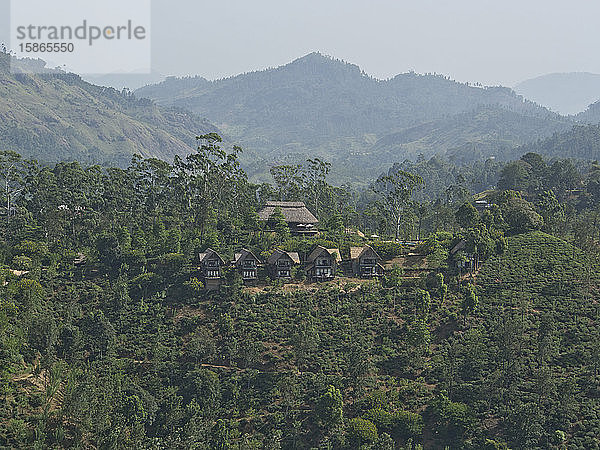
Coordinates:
(362, 431)
(22, 263)
(387, 249)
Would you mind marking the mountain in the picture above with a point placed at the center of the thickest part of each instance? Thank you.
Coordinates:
(126, 80)
(317, 105)
(565, 93)
(58, 116)
(580, 142)
(488, 131)
(590, 115)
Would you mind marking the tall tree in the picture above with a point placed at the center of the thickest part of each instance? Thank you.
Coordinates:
(395, 191)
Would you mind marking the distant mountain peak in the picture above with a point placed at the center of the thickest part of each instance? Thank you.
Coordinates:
(317, 62)
(566, 93)
(313, 55)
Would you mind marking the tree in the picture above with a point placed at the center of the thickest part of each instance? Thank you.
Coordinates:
(469, 301)
(517, 213)
(11, 170)
(288, 181)
(209, 179)
(521, 216)
(422, 303)
(277, 222)
(441, 286)
(109, 252)
(453, 420)
(329, 408)
(552, 211)
(395, 191)
(515, 176)
(220, 436)
(315, 183)
(562, 177)
(467, 216)
(361, 431)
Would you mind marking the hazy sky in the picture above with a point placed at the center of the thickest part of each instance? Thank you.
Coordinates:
(493, 42)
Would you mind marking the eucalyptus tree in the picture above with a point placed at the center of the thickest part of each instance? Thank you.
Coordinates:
(395, 192)
(12, 169)
(208, 181)
(288, 181)
(316, 190)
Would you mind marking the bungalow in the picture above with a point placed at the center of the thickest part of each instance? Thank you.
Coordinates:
(280, 264)
(299, 219)
(463, 259)
(322, 263)
(210, 268)
(246, 264)
(365, 262)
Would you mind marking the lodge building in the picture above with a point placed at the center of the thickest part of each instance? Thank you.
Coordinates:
(299, 219)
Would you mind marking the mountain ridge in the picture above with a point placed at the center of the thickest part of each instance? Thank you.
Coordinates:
(567, 93)
(317, 105)
(58, 116)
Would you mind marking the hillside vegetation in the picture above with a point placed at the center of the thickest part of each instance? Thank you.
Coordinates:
(582, 142)
(539, 317)
(316, 105)
(475, 135)
(58, 116)
(482, 332)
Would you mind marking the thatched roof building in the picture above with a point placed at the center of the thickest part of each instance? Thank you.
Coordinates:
(296, 214)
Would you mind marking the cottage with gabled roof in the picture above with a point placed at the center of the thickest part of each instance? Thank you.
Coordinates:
(211, 264)
(298, 217)
(463, 259)
(322, 263)
(246, 264)
(365, 262)
(280, 264)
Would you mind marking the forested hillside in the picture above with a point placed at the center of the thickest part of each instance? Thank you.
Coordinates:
(581, 142)
(591, 114)
(488, 131)
(317, 105)
(58, 116)
(481, 332)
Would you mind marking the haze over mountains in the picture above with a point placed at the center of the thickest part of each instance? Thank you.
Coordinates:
(565, 93)
(313, 106)
(319, 105)
(58, 116)
(125, 80)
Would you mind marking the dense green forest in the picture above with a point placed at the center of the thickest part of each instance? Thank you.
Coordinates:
(108, 338)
